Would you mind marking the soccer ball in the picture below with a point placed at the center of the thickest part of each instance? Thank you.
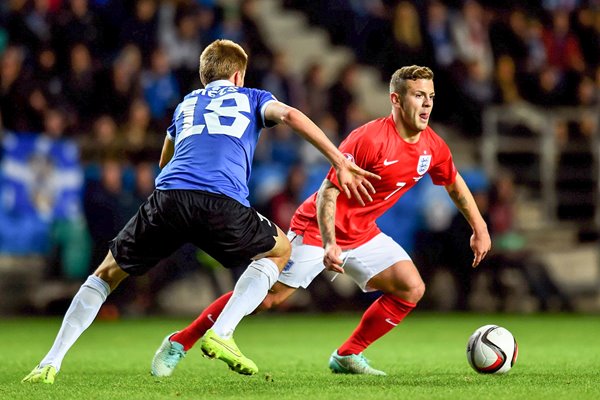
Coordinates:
(492, 349)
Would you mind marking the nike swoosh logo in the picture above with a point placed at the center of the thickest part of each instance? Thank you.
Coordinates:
(210, 318)
(386, 162)
(389, 321)
(231, 349)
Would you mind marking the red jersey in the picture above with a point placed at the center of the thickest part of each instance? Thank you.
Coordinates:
(377, 147)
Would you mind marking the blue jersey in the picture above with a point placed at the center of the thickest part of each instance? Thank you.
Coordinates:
(215, 131)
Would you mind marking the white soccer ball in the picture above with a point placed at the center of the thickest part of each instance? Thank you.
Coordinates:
(492, 349)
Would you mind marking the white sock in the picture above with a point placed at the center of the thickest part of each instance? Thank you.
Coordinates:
(249, 291)
(82, 311)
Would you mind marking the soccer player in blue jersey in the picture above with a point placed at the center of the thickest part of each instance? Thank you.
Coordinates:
(200, 197)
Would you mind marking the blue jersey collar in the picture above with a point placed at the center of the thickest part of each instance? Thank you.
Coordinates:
(220, 82)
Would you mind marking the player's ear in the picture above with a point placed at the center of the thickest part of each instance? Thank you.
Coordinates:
(238, 78)
(395, 99)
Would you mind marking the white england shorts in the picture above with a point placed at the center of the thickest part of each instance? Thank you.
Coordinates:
(361, 263)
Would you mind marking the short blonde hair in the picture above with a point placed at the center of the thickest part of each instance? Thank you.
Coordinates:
(221, 59)
(413, 72)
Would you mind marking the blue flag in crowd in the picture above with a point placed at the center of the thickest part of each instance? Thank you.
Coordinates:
(41, 181)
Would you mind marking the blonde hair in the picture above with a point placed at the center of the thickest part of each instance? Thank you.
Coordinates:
(413, 72)
(221, 59)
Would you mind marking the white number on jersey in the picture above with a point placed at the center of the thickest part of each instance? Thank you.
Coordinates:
(240, 122)
(213, 123)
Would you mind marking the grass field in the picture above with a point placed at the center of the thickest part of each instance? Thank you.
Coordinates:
(559, 358)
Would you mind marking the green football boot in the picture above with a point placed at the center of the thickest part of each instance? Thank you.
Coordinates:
(352, 364)
(226, 350)
(43, 374)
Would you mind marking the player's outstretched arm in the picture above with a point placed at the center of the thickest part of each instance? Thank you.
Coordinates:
(352, 179)
(326, 206)
(464, 201)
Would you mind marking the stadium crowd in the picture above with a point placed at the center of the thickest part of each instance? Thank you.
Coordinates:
(88, 87)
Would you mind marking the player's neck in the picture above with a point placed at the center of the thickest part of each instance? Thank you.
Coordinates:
(408, 135)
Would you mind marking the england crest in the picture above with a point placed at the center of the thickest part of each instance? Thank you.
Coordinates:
(423, 164)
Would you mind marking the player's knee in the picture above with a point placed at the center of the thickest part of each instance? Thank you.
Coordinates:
(417, 292)
(286, 250)
(110, 272)
(268, 303)
(413, 293)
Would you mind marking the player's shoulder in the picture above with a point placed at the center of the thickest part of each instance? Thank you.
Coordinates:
(370, 132)
(433, 137)
(252, 91)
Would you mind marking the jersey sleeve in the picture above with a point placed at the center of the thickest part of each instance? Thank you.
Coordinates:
(263, 98)
(444, 171)
(358, 149)
(171, 130)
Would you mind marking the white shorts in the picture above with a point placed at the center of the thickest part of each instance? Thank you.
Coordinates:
(361, 263)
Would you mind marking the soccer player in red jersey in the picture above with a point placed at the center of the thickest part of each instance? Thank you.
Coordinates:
(329, 231)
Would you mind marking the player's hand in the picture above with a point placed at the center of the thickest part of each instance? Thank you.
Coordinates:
(353, 180)
(481, 244)
(332, 260)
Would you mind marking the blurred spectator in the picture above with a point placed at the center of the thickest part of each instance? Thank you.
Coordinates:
(281, 207)
(508, 35)
(510, 248)
(140, 141)
(311, 156)
(80, 88)
(76, 23)
(104, 141)
(181, 39)
(506, 88)
(407, 46)
(38, 26)
(562, 46)
(253, 40)
(13, 90)
(536, 54)
(471, 36)
(280, 81)
(119, 85)
(444, 54)
(160, 88)
(560, 5)
(587, 30)
(439, 34)
(145, 174)
(47, 75)
(140, 29)
(105, 204)
(209, 24)
(341, 96)
(547, 89)
(587, 100)
(451, 248)
(315, 102)
(283, 146)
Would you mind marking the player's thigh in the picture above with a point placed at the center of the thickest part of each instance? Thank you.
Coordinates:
(366, 262)
(152, 234)
(400, 278)
(306, 262)
(281, 251)
(235, 234)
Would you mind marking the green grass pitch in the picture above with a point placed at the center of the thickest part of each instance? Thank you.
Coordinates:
(559, 358)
